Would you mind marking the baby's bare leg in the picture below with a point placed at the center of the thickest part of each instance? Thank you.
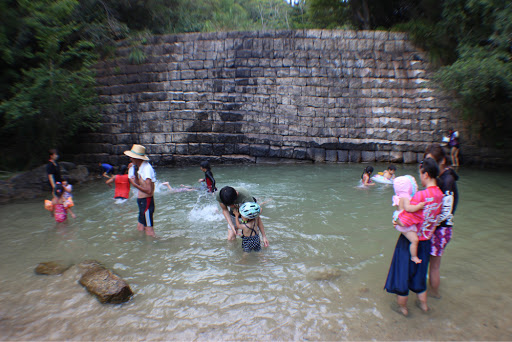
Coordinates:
(413, 248)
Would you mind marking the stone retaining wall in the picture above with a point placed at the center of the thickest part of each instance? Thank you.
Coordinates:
(320, 95)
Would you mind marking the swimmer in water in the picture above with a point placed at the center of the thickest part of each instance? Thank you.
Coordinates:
(366, 176)
(390, 172)
(181, 188)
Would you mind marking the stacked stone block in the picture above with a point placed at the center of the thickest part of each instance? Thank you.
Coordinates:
(320, 95)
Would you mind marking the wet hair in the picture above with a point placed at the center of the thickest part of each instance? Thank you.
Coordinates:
(122, 170)
(368, 169)
(228, 195)
(59, 190)
(429, 166)
(392, 167)
(205, 164)
(52, 152)
(437, 152)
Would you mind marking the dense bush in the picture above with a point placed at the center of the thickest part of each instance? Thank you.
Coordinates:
(51, 95)
(472, 42)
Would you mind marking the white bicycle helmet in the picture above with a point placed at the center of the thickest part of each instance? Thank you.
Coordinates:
(251, 210)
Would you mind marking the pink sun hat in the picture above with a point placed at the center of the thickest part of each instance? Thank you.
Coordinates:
(405, 187)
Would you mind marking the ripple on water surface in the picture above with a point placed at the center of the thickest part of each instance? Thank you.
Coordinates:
(321, 278)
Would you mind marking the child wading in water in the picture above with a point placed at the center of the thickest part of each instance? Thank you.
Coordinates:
(251, 222)
(405, 188)
(68, 188)
(61, 206)
(208, 176)
(366, 176)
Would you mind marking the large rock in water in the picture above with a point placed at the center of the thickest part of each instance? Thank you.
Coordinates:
(51, 268)
(107, 286)
(34, 183)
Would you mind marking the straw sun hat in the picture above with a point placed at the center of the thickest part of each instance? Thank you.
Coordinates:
(137, 152)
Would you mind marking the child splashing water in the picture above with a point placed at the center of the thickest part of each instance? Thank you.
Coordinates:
(405, 188)
(251, 222)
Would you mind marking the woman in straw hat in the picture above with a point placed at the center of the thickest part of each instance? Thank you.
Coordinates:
(144, 181)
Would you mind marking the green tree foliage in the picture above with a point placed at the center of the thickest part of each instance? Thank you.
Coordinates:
(481, 76)
(469, 40)
(47, 48)
(232, 15)
(329, 14)
(156, 16)
(52, 97)
(363, 14)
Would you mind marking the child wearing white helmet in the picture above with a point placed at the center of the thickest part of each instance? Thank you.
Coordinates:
(250, 224)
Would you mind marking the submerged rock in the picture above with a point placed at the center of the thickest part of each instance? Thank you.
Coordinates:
(51, 268)
(324, 273)
(107, 286)
(88, 265)
(364, 290)
(34, 183)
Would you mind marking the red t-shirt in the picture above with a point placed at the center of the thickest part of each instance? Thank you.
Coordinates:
(426, 219)
(122, 186)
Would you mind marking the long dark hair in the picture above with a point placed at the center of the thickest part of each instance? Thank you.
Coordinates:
(368, 169)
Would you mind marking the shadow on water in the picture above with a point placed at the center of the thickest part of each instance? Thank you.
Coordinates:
(321, 278)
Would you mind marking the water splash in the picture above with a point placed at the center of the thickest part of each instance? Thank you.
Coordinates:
(205, 210)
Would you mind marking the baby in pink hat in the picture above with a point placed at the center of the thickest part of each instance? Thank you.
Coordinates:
(405, 187)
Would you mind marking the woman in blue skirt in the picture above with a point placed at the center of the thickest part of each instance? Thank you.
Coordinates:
(404, 274)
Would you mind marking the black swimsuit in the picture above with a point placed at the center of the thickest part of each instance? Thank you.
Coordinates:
(253, 231)
(251, 242)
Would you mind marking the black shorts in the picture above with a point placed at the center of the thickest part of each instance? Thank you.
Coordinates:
(146, 210)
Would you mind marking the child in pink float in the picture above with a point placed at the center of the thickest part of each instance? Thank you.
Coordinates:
(405, 187)
(61, 206)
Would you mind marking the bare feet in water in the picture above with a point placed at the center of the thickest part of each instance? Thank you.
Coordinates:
(403, 310)
(422, 305)
(433, 294)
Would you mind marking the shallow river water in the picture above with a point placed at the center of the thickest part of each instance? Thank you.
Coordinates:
(321, 278)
